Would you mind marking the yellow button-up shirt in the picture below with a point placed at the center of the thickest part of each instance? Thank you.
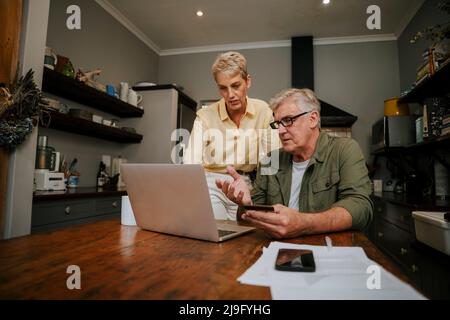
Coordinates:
(216, 141)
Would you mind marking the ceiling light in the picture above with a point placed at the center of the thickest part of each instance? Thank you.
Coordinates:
(200, 13)
(325, 1)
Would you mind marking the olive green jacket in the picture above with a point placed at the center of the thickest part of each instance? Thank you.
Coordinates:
(336, 176)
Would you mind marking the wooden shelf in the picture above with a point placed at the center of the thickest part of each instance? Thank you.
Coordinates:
(439, 141)
(67, 123)
(432, 143)
(60, 85)
(435, 86)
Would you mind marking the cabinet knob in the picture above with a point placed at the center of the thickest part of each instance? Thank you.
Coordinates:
(403, 251)
(414, 268)
(67, 210)
(380, 234)
(115, 204)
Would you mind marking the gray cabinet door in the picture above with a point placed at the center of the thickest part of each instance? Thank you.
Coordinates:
(63, 213)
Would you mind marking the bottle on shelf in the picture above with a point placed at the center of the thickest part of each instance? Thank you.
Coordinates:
(101, 175)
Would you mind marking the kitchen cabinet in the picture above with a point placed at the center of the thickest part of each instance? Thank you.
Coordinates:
(60, 85)
(392, 230)
(53, 210)
(63, 213)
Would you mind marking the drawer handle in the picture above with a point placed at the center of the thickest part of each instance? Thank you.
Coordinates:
(403, 251)
(67, 210)
(414, 268)
(115, 204)
(380, 234)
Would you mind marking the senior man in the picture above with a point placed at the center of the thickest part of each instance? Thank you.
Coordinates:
(322, 183)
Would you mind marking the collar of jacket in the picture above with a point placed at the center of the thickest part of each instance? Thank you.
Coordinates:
(284, 174)
(321, 147)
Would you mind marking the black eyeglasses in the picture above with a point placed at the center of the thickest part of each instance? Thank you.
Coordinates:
(286, 122)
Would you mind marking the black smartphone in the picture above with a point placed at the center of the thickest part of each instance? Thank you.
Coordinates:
(259, 207)
(256, 207)
(295, 260)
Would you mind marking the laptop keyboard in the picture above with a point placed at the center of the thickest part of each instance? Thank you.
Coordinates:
(223, 233)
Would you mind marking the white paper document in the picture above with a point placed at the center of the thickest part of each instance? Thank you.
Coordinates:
(341, 273)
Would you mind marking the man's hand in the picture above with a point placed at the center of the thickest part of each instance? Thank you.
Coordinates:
(237, 191)
(283, 223)
(289, 223)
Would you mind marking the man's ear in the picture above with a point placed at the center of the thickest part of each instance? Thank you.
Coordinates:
(314, 119)
(249, 81)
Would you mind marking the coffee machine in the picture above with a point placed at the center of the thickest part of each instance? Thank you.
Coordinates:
(46, 175)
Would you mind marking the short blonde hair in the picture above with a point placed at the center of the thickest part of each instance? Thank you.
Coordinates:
(304, 99)
(231, 63)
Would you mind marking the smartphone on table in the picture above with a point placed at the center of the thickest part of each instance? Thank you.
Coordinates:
(295, 260)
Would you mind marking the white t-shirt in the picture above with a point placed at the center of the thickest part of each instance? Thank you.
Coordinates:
(298, 170)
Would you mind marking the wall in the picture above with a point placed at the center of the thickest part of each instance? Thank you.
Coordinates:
(354, 77)
(358, 78)
(101, 43)
(410, 55)
(270, 69)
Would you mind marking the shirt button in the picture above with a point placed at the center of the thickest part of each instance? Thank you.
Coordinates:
(327, 184)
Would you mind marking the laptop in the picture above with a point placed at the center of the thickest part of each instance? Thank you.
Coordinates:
(174, 199)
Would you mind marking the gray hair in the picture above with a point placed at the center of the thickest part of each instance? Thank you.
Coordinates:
(304, 99)
(230, 62)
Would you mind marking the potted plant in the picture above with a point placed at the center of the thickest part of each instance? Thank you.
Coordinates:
(19, 111)
(438, 34)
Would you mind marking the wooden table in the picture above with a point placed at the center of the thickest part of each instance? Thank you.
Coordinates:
(121, 262)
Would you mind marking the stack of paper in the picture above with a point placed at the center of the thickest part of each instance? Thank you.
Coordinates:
(341, 273)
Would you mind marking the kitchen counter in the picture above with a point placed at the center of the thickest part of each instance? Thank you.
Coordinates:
(78, 193)
(123, 262)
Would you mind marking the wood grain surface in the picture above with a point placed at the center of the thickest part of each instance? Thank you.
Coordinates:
(122, 262)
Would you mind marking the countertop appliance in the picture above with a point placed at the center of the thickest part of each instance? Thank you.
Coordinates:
(46, 175)
(48, 181)
(393, 131)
